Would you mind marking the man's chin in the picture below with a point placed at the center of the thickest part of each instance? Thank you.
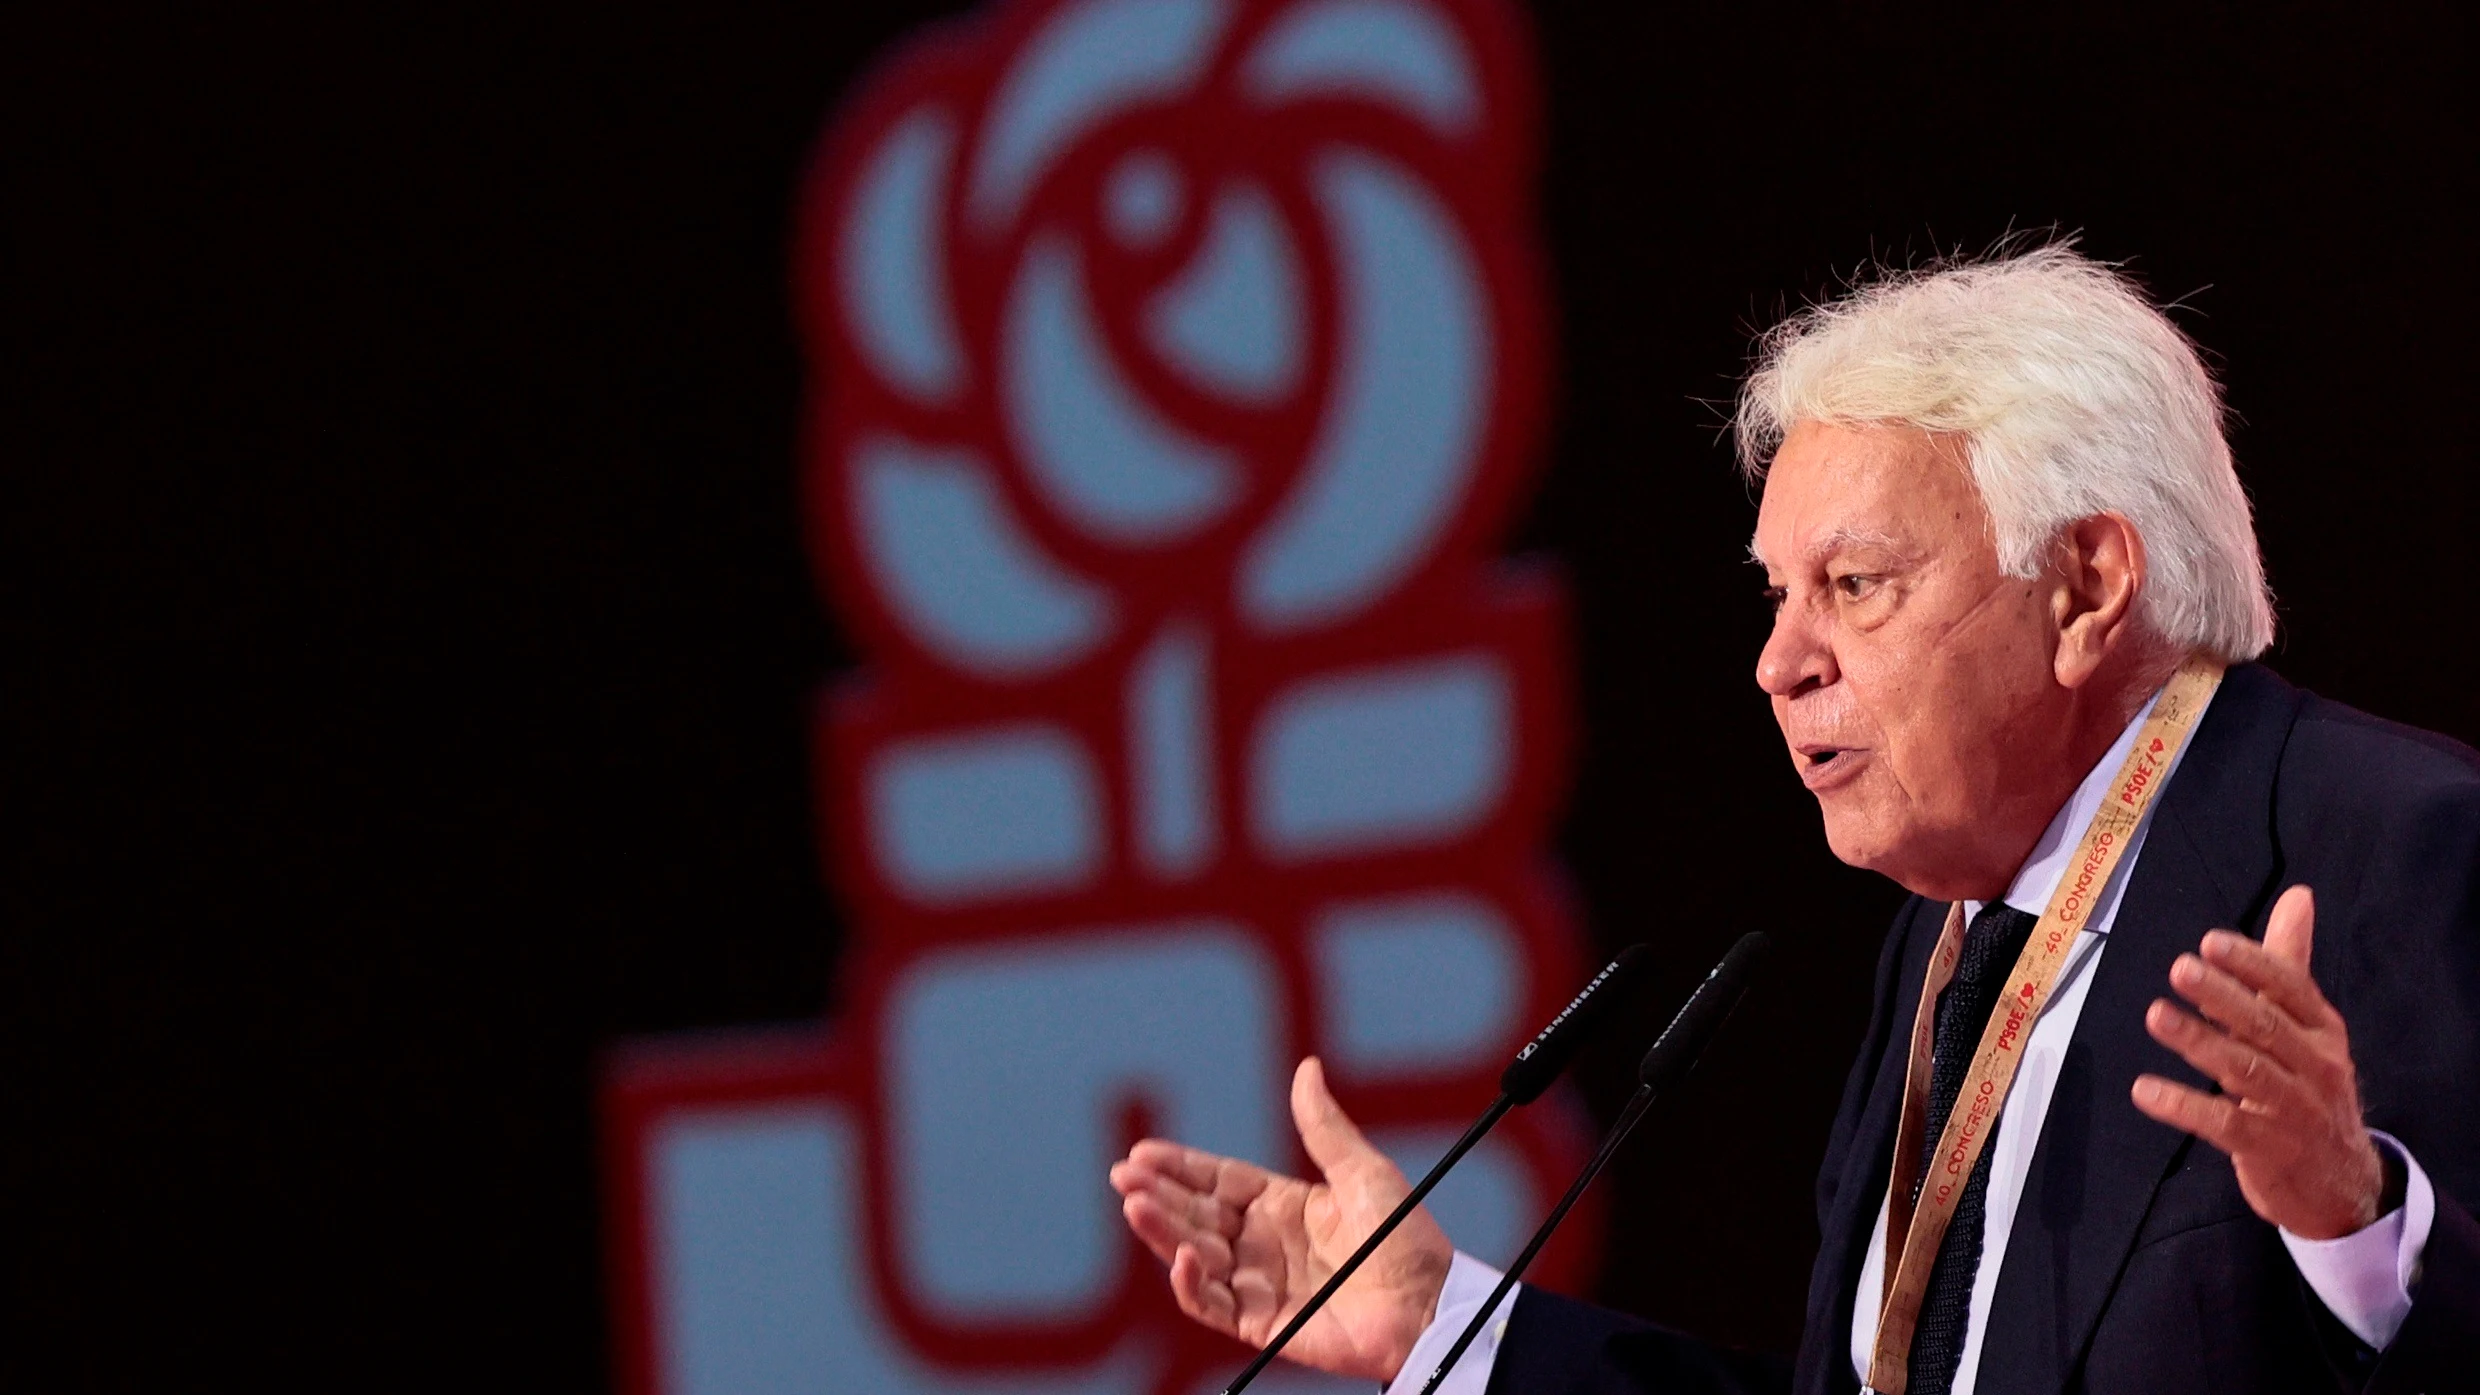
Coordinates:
(1914, 863)
(1855, 849)
(1857, 836)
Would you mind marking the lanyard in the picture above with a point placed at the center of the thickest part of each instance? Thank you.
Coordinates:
(1915, 1228)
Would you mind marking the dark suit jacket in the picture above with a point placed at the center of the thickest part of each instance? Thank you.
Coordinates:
(2135, 1265)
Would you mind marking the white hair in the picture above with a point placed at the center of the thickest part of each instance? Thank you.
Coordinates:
(2075, 396)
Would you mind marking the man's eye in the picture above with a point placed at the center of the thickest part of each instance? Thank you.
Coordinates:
(1856, 587)
(1775, 596)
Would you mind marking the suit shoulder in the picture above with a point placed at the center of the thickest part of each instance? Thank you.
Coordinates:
(2372, 812)
(2346, 759)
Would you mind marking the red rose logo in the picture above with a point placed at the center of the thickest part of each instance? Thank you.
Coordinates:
(1158, 306)
(1176, 361)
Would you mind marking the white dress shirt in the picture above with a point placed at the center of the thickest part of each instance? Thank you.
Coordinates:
(2363, 1278)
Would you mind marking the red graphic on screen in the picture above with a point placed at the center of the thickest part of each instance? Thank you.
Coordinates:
(1176, 363)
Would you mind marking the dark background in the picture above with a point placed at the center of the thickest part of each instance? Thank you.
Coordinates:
(412, 640)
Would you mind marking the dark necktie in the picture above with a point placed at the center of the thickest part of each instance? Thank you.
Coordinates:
(1990, 946)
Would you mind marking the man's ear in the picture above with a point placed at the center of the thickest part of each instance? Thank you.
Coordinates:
(2100, 573)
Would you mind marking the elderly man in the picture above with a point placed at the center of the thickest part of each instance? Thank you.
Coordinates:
(2090, 1142)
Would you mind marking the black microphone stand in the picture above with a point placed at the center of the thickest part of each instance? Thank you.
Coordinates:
(1670, 1057)
(1488, 1120)
(1526, 1077)
(1637, 1104)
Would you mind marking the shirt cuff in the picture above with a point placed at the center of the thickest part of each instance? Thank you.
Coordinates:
(1469, 1282)
(2365, 1278)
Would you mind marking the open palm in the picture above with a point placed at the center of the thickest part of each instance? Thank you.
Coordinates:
(1247, 1247)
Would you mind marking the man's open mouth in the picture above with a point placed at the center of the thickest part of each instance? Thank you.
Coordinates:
(1820, 763)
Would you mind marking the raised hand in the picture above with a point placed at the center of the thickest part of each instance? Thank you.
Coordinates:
(2288, 1114)
(1247, 1246)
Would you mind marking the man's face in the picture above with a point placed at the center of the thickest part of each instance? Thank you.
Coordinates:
(1913, 682)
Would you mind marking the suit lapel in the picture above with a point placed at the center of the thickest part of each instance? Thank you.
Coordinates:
(2208, 861)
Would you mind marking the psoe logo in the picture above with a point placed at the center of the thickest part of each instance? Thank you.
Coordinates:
(1175, 365)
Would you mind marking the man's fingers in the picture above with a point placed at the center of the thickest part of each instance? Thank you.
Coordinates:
(1167, 1196)
(2267, 969)
(1196, 1210)
(2242, 1070)
(1228, 1178)
(1215, 1253)
(1208, 1300)
(1325, 1130)
(1257, 1301)
(2214, 1119)
(2242, 1011)
(2290, 932)
(1128, 1177)
(1153, 1226)
(1166, 1218)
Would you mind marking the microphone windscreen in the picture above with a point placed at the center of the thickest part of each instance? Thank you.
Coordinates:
(1547, 1055)
(1682, 1041)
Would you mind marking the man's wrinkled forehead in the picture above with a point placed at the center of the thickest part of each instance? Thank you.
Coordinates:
(1884, 491)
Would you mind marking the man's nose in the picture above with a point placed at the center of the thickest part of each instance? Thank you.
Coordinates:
(1795, 657)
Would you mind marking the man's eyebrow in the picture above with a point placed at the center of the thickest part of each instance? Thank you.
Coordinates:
(1843, 540)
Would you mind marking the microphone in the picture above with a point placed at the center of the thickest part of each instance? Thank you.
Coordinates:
(1668, 1059)
(1531, 1073)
